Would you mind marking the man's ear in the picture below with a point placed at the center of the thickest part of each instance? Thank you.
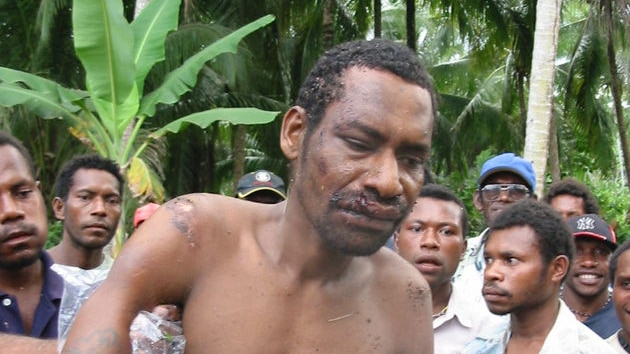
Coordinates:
(477, 200)
(58, 208)
(396, 239)
(558, 268)
(292, 132)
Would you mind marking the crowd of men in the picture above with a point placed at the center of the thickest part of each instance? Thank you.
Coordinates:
(308, 271)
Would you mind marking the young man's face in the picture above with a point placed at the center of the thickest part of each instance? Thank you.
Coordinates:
(360, 171)
(431, 239)
(589, 275)
(621, 292)
(568, 205)
(515, 277)
(92, 210)
(23, 223)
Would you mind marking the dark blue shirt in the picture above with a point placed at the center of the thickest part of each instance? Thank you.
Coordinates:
(604, 322)
(46, 313)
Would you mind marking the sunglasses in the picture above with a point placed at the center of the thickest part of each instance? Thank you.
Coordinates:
(492, 192)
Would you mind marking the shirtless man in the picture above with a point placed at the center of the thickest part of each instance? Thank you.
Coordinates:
(307, 274)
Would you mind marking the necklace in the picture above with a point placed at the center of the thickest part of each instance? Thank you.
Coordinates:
(584, 314)
(441, 313)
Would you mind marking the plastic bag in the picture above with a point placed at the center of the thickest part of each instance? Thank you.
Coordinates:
(149, 332)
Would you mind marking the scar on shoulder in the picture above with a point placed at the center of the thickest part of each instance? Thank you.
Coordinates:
(180, 213)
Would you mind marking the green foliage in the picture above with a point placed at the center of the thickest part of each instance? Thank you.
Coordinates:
(614, 202)
(55, 233)
(117, 55)
(464, 186)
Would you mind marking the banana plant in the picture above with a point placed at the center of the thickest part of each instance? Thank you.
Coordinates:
(117, 55)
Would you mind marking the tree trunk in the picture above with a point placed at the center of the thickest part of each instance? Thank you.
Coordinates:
(540, 103)
(240, 136)
(554, 154)
(616, 90)
(377, 18)
(411, 25)
(328, 29)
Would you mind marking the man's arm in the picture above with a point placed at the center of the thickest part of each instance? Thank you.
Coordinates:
(155, 266)
(22, 344)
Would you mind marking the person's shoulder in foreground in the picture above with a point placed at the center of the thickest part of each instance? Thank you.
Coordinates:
(528, 251)
(303, 274)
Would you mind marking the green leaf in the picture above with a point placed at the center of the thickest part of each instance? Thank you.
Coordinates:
(42, 85)
(43, 104)
(182, 79)
(232, 115)
(150, 29)
(103, 41)
(123, 111)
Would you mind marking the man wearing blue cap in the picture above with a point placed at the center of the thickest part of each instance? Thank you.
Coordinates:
(504, 179)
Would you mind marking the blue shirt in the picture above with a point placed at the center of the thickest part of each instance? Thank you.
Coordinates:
(46, 313)
(604, 322)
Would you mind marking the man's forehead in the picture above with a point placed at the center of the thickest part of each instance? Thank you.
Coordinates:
(582, 241)
(11, 160)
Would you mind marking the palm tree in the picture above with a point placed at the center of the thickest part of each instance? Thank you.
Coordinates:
(592, 79)
(540, 106)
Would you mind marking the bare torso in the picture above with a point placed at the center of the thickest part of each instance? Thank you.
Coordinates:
(239, 297)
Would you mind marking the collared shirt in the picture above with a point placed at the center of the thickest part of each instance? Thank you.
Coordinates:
(604, 322)
(567, 336)
(463, 320)
(616, 343)
(469, 274)
(46, 313)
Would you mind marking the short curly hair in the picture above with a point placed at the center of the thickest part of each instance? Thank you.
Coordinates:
(65, 178)
(552, 231)
(575, 188)
(324, 84)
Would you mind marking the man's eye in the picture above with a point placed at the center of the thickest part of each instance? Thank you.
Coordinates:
(448, 232)
(511, 260)
(416, 228)
(357, 144)
(414, 162)
(24, 193)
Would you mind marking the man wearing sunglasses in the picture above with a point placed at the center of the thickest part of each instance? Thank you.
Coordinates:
(504, 179)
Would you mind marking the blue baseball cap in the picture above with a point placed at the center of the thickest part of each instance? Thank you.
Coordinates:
(508, 162)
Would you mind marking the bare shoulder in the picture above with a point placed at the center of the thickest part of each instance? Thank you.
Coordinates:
(393, 268)
(404, 298)
(186, 209)
(395, 277)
